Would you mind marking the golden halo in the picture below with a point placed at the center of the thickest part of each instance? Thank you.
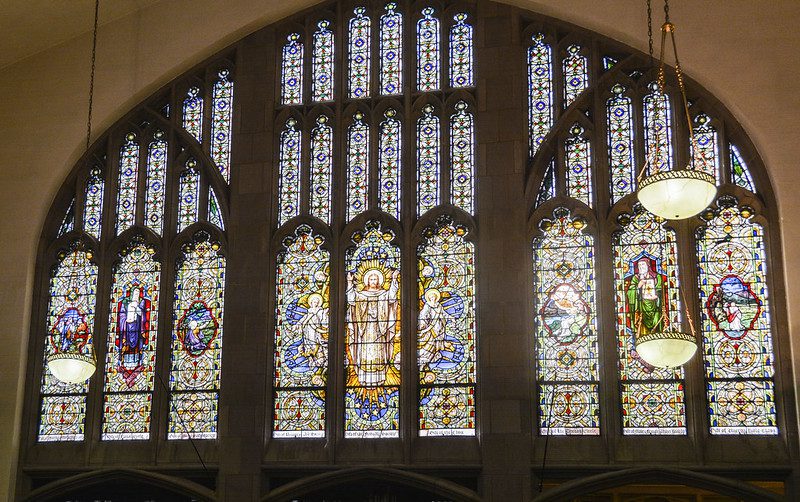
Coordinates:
(372, 266)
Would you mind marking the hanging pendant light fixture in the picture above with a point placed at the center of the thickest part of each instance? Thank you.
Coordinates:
(680, 193)
(666, 348)
(77, 363)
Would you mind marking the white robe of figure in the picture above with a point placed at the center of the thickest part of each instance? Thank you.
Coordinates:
(432, 323)
(372, 315)
(314, 326)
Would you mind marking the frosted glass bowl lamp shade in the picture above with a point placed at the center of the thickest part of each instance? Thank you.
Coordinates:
(677, 195)
(71, 367)
(667, 349)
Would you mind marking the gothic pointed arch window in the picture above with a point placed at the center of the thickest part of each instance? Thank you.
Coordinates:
(116, 274)
(355, 175)
(708, 275)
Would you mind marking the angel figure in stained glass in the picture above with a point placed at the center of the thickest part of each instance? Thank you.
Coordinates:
(373, 312)
(646, 294)
(133, 325)
(432, 328)
(314, 326)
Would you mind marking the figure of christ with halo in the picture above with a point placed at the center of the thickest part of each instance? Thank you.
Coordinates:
(373, 313)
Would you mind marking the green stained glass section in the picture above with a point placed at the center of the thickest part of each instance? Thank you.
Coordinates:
(372, 334)
(196, 345)
(647, 300)
(214, 211)
(301, 336)
(566, 327)
(547, 189)
(446, 331)
(740, 173)
(737, 332)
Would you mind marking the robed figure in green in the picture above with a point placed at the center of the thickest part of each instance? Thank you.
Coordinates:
(647, 298)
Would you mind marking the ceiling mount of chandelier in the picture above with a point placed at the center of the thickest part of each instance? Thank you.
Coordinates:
(679, 193)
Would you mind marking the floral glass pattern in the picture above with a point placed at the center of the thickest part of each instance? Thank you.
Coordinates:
(221, 123)
(428, 161)
(289, 172)
(292, 71)
(657, 130)
(576, 77)
(322, 55)
(389, 163)
(188, 195)
(540, 92)
(321, 169)
(619, 109)
(391, 50)
(193, 113)
(358, 55)
(705, 149)
(578, 156)
(357, 166)
(128, 182)
(93, 204)
(461, 52)
(428, 57)
(156, 185)
(740, 173)
(462, 158)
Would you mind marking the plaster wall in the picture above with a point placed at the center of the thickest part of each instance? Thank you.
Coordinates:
(744, 52)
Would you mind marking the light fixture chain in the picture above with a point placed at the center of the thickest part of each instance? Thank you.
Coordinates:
(650, 31)
(91, 77)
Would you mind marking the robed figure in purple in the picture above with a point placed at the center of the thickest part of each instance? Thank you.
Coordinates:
(133, 326)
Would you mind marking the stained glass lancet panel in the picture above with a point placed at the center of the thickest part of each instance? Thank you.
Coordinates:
(389, 164)
(301, 336)
(740, 173)
(576, 77)
(428, 161)
(68, 222)
(358, 54)
(188, 195)
(292, 71)
(289, 172)
(619, 109)
(446, 331)
(566, 327)
(193, 113)
(214, 211)
(372, 338)
(70, 328)
(428, 57)
(221, 125)
(131, 345)
(321, 169)
(357, 166)
(197, 340)
(461, 52)
(391, 51)
(647, 300)
(578, 156)
(322, 79)
(705, 148)
(128, 181)
(93, 205)
(156, 185)
(737, 334)
(540, 92)
(657, 130)
(462, 158)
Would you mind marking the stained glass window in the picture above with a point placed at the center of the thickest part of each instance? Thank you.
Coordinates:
(131, 353)
(193, 113)
(197, 340)
(301, 336)
(609, 62)
(446, 331)
(188, 195)
(647, 300)
(620, 143)
(461, 52)
(705, 149)
(221, 123)
(566, 327)
(321, 169)
(462, 158)
(128, 179)
(357, 166)
(372, 338)
(740, 173)
(214, 211)
(737, 336)
(547, 190)
(540, 92)
(576, 77)
(68, 222)
(389, 164)
(391, 49)
(70, 328)
(428, 62)
(322, 63)
(93, 205)
(427, 161)
(156, 183)
(358, 54)
(289, 173)
(292, 71)
(657, 130)
(578, 156)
